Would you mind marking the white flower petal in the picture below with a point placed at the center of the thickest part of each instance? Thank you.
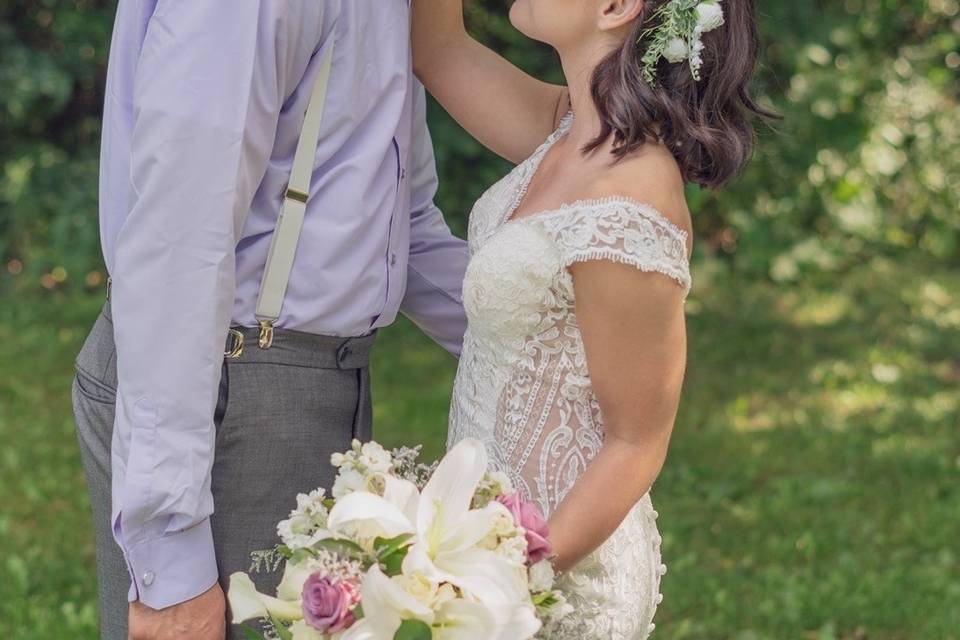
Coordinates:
(468, 620)
(464, 620)
(404, 495)
(483, 574)
(676, 50)
(302, 631)
(521, 623)
(473, 527)
(452, 485)
(709, 16)
(370, 510)
(386, 604)
(360, 630)
(291, 586)
(542, 576)
(246, 603)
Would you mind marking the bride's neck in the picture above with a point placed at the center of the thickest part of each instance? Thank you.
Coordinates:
(578, 66)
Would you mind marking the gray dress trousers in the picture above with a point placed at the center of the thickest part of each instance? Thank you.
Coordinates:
(281, 412)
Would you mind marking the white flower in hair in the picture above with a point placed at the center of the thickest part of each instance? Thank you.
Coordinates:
(677, 35)
(709, 15)
(676, 50)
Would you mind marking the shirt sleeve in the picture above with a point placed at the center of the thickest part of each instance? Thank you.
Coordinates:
(438, 259)
(205, 108)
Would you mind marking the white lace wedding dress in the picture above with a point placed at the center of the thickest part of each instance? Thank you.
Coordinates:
(523, 388)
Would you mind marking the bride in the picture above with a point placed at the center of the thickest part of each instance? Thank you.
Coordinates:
(574, 358)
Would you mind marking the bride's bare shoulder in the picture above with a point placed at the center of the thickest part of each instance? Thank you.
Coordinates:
(652, 177)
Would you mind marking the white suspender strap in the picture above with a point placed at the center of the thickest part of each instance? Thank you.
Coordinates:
(283, 246)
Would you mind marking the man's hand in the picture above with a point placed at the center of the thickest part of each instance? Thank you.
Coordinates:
(203, 618)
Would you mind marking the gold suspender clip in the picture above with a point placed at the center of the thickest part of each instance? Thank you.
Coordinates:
(266, 334)
(294, 194)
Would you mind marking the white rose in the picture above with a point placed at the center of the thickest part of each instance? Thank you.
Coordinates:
(709, 16)
(541, 576)
(420, 587)
(676, 50)
(348, 481)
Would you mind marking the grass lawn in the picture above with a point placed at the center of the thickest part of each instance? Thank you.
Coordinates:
(811, 490)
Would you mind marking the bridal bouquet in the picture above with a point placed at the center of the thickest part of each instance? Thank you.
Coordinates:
(406, 551)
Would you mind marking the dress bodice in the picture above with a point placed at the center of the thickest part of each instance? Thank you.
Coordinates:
(523, 385)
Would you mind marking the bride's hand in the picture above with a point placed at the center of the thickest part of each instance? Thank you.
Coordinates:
(506, 110)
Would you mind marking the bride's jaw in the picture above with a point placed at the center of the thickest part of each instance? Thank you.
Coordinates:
(558, 23)
(570, 25)
(583, 32)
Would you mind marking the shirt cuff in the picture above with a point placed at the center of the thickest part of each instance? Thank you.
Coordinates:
(173, 569)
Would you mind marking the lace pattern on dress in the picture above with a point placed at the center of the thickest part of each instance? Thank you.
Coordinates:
(523, 387)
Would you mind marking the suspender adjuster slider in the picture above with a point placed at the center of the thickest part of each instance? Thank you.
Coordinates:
(266, 334)
(296, 194)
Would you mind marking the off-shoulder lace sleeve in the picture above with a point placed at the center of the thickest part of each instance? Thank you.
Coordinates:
(621, 230)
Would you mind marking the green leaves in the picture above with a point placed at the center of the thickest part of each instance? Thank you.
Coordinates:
(250, 633)
(391, 552)
(674, 20)
(544, 599)
(413, 630)
(282, 632)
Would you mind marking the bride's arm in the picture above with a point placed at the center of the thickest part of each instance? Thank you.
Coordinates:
(634, 335)
(507, 110)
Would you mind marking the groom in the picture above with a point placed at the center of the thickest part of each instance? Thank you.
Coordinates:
(195, 436)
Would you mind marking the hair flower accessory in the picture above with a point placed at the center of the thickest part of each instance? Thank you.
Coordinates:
(677, 36)
(709, 16)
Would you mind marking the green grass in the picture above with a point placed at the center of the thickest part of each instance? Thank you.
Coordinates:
(811, 490)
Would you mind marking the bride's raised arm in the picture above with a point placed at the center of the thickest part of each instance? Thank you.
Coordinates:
(507, 110)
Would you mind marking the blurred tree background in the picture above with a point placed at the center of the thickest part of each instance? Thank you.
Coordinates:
(812, 488)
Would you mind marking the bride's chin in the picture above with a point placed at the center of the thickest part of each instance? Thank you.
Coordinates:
(520, 16)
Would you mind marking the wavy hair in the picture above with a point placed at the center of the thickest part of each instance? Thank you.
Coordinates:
(706, 124)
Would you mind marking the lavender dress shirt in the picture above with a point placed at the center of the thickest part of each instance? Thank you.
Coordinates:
(204, 102)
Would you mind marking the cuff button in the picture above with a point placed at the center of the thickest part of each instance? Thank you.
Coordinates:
(148, 578)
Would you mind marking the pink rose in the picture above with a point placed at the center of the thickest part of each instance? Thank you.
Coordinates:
(327, 605)
(527, 516)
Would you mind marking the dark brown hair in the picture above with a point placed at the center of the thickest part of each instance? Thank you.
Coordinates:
(706, 124)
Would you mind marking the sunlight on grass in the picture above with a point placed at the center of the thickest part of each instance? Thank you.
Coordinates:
(810, 492)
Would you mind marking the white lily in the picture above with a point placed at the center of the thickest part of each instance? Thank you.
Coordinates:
(448, 530)
(247, 603)
(445, 529)
(468, 620)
